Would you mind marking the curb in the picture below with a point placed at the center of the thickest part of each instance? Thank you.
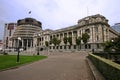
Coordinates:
(96, 74)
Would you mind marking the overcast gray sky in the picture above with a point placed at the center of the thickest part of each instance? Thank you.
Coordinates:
(56, 14)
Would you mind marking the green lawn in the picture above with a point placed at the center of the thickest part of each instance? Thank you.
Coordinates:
(7, 61)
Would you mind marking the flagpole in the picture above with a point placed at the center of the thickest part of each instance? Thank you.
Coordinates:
(29, 13)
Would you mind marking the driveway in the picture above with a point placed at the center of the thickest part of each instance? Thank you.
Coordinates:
(58, 66)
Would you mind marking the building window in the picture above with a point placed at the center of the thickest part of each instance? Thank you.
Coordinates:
(50, 37)
(65, 47)
(53, 36)
(87, 30)
(98, 46)
(89, 46)
(85, 46)
(69, 47)
(60, 47)
(65, 34)
(70, 34)
(42, 38)
(57, 47)
(6, 42)
(57, 35)
(97, 37)
(31, 20)
(26, 20)
(53, 47)
(74, 46)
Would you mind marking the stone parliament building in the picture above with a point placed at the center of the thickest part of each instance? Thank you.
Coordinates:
(33, 36)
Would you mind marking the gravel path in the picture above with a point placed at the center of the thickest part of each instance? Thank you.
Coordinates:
(63, 66)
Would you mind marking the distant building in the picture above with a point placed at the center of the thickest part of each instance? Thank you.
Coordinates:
(9, 29)
(116, 27)
(1, 45)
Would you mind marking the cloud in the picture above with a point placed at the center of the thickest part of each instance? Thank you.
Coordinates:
(55, 14)
(62, 13)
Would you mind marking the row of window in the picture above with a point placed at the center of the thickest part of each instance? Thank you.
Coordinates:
(70, 33)
(70, 47)
(87, 46)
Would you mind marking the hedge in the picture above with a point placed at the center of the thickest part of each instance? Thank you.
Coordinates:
(109, 69)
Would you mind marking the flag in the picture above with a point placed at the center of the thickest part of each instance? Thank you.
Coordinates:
(29, 12)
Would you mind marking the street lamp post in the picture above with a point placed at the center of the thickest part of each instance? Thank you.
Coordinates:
(19, 38)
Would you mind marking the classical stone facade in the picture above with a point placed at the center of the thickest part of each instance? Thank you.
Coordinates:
(96, 26)
(32, 36)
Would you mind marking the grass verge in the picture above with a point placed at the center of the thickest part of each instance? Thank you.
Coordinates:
(9, 61)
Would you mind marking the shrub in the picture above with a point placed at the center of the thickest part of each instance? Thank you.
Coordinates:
(109, 69)
(5, 53)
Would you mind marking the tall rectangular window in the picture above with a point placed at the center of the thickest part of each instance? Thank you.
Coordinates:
(9, 32)
(60, 47)
(87, 30)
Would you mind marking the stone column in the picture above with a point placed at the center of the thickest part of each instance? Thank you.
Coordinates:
(104, 32)
(63, 35)
(32, 42)
(94, 37)
(27, 44)
(72, 33)
(108, 34)
(22, 43)
(39, 41)
(91, 35)
(59, 35)
(61, 38)
(66, 34)
(13, 43)
(78, 33)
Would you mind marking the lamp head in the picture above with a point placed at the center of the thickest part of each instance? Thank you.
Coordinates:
(19, 38)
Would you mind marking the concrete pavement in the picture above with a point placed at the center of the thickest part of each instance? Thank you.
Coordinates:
(58, 66)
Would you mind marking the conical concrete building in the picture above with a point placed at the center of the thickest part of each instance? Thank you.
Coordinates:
(26, 28)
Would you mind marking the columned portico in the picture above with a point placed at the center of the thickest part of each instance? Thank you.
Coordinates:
(24, 43)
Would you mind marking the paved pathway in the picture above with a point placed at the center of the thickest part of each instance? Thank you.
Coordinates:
(67, 66)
